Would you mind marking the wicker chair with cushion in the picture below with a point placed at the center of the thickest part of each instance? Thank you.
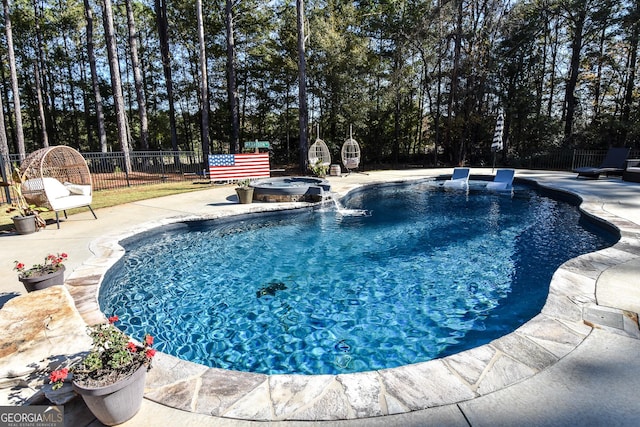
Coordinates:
(350, 154)
(318, 154)
(57, 178)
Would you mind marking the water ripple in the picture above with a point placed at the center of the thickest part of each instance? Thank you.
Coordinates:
(428, 274)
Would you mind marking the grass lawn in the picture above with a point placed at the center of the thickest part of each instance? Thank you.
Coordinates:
(106, 198)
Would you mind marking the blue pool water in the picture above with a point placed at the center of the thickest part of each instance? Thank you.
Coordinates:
(428, 274)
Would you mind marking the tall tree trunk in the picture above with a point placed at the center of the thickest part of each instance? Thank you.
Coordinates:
(71, 78)
(5, 164)
(574, 70)
(163, 33)
(287, 127)
(452, 104)
(19, 132)
(397, 65)
(116, 83)
(598, 80)
(40, 79)
(552, 69)
(632, 62)
(74, 108)
(86, 111)
(43, 121)
(436, 120)
(303, 113)
(5, 97)
(102, 134)
(232, 89)
(137, 78)
(543, 66)
(204, 88)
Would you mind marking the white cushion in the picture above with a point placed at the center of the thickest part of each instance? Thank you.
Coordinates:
(351, 163)
(456, 183)
(498, 186)
(634, 169)
(68, 202)
(34, 184)
(54, 188)
(83, 190)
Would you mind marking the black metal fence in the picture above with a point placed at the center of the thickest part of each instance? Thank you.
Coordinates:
(109, 170)
(566, 160)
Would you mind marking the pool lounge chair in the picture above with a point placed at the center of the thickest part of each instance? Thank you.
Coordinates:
(502, 181)
(613, 164)
(632, 172)
(459, 179)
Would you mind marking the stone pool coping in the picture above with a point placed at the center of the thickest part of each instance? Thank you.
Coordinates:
(568, 317)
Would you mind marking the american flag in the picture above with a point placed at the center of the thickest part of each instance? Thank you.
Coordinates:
(238, 166)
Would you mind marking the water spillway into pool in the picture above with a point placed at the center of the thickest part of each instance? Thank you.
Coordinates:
(429, 273)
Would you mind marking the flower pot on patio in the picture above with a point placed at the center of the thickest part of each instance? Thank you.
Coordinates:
(118, 402)
(43, 281)
(25, 224)
(245, 194)
(111, 376)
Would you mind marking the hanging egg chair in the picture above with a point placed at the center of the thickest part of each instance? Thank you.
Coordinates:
(350, 153)
(319, 154)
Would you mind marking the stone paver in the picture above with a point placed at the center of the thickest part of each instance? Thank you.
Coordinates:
(595, 385)
(618, 286)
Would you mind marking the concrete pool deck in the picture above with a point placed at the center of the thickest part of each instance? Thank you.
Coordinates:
(575, 363)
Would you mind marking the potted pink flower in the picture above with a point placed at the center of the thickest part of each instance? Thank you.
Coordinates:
(111, 377)
(41, 276)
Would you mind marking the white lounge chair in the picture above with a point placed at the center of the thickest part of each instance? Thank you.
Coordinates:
(459, 178)
(502, 181)
(58, 179)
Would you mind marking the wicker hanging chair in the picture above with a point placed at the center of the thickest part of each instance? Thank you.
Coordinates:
(319, 154)
(350, 153)
(57, 178)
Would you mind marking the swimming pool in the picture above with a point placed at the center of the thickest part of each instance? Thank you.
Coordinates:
(428, 274)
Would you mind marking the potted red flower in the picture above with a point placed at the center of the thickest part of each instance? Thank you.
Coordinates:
(111, 377)
(41, 276)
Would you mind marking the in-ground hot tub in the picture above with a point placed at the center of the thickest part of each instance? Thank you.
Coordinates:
(290, 189)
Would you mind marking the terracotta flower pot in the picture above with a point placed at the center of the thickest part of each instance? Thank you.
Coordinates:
(117, 402)
(36, 283)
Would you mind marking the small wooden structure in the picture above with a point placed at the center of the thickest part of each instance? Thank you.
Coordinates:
(57, 178)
